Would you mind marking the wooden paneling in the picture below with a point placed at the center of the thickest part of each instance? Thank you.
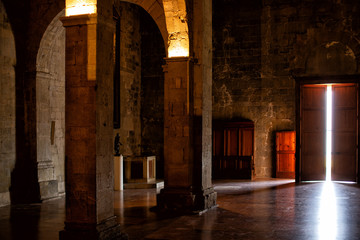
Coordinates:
(231, 146)
(285, 154)
(247, 142)
(233, 150)
(344, 138)
(312, 132)
(217, 143)
(345, 124)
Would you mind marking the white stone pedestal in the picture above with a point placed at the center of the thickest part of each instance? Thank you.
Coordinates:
(140, 172)
(118, 173)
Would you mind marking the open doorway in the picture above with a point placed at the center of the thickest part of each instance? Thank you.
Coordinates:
(327, 124)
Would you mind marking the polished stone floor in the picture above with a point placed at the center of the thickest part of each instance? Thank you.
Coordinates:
(262, 209)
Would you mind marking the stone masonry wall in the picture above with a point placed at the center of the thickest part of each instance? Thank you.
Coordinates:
(305, 38)
(258, 49)
(152, 91)
(7, 106)
(237, 85)
(29, 20)
(310, 38)
(130, 79)
(51, 110)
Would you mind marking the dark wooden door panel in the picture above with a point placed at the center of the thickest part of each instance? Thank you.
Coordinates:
(344, 120)
(313, 120)
(314, 171)
(344, 95)
(314, 97)
(344, 137)
(312, 132)
(344, 143)
(231, 141)
(218, 142)
(247, 142)
(313, 144)
(313, 156)
(233, 150)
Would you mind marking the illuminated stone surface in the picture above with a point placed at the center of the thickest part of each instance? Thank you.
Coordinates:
(177, 26)
(79, 7)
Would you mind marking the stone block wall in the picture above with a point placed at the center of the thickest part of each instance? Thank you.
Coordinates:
(309, 38)
(130, 80)
(141, 85)
(152, 91)
(259, 48)
(305, 38)
(50, 107)
(238, 88)
(7, 106)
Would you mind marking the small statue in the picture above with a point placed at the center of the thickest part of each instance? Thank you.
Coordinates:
(117, 144)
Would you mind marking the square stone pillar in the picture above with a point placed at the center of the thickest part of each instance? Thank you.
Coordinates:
(88, 127)
(184, 190)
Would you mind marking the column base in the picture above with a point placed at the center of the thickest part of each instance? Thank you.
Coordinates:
(107, 230)
(49, 189)
(185, 200)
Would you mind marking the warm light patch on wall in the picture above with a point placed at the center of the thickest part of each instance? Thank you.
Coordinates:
(79, 7)
(177, 26)
(178, 47)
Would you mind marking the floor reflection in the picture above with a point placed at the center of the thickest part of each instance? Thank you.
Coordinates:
(328, 213)
(268, 209)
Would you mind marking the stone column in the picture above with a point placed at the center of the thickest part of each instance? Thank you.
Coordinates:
(88, 126)
(183, 189)
(201, 42)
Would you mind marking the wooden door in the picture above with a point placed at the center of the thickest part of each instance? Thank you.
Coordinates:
(233, 150)
(312, 132)
(285, 154)
(344, 137)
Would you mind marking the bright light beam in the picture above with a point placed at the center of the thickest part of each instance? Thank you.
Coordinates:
(328, 131)
(327, 218)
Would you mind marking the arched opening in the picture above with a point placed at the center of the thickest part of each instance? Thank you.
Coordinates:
(141, 89)
(155, 9)
(152, 91)
(177, 26)
(7, 105)
(50, 110)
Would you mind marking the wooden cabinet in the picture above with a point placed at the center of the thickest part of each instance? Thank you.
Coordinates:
(233, 150)
(285, 154)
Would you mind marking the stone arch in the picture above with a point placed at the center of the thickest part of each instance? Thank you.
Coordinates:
(331, 58)
(177, 27)
(142, 51)
(321, 44)
(156, 10)
(7, 105)
(50, 109)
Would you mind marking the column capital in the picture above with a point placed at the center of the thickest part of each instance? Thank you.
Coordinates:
(179, 59)
(84, 19)
(189, 61)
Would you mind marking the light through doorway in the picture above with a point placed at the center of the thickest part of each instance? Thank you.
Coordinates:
(328, 127)
(328, 131)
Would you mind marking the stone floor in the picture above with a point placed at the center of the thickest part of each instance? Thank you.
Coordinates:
(262, 209)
